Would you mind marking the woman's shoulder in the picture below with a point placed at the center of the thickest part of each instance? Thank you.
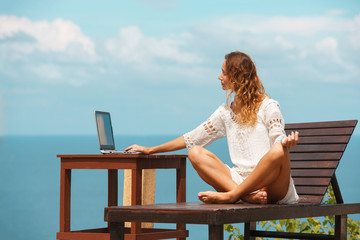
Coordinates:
(225, 108)
(269, 105)
(223, 111)
(269, 102)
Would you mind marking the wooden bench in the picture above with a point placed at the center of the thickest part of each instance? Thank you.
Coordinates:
(313, 164)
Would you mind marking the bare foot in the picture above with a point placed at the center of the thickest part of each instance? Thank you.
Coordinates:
(215, 197)
(259, 197)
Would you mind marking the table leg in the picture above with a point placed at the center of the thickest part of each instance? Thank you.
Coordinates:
(341, 227)
(248, 227)
(117, 231)
(65, 199)
(181, 182)
(136, 192)
(216, 232)
(112, 187)
(181, 190)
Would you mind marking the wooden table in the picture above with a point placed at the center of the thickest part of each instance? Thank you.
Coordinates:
(112, 163)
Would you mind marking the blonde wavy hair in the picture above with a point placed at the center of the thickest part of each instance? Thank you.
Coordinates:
(245, 83)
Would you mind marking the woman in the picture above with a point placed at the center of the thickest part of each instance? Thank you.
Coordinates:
(258, 146)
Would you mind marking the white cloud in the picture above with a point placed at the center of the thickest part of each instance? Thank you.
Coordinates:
(245, 28)
(328, 47)
(336, 12)
(56, 36)
(303, 25)
(327, 43)
(132, 46)
(285, 44)
(48, 71)
(277, 42)
(44, 52)
(354, 33)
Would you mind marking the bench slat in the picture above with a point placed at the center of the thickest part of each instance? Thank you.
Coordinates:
(310, 199)
(323, 139)
(312, 172)
(311, 190)
(314, 164)
(315, 156)
(323, 131)
(329, 124)
(319, 148)
(298, 181)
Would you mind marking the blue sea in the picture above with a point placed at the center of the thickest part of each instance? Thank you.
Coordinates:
(30, 183)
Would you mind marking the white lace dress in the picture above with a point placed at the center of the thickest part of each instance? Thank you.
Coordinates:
(247, 145)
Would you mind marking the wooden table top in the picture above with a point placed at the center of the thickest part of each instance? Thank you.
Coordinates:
(145, 156)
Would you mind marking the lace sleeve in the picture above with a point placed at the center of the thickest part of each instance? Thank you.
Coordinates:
(209, 131)
(274, 122)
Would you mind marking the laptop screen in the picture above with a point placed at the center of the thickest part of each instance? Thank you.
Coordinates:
(105, 132)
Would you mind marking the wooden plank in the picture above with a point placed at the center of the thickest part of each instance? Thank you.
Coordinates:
(310, 199)
(181, 183)
(298, 181)
(311, 190)
(83, 235)
(216, 214)
(248, 228)
(315, 156)
(323, 139)
(336, 189)
(327, 124)
(319, 148)
(341, 227)
(116, 230)
(104, 233)
(164, 234)
(291, 235)
(181, 191)
(93, 230)
(324, 131)
(314, 164)
(65, 199)
(122, 163)
(312, 172)
(271, 212)
(112, 187)
(216, 232)
(119, 156)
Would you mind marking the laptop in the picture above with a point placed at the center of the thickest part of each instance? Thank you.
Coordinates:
(105, 134)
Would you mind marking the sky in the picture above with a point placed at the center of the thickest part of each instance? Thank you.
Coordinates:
(154, 64)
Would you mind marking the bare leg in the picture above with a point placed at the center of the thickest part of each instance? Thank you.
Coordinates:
(272, 174)
(214, 172)
(211, 169)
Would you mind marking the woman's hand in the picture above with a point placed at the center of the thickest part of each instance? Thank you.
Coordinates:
(291, 140)
(137, 148)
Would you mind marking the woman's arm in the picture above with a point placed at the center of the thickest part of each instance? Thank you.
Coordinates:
(176, 144)
(276, 126)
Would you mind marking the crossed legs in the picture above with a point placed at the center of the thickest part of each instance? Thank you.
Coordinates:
(271, 176)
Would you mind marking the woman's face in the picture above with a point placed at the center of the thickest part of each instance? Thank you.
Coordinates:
(224, 78)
